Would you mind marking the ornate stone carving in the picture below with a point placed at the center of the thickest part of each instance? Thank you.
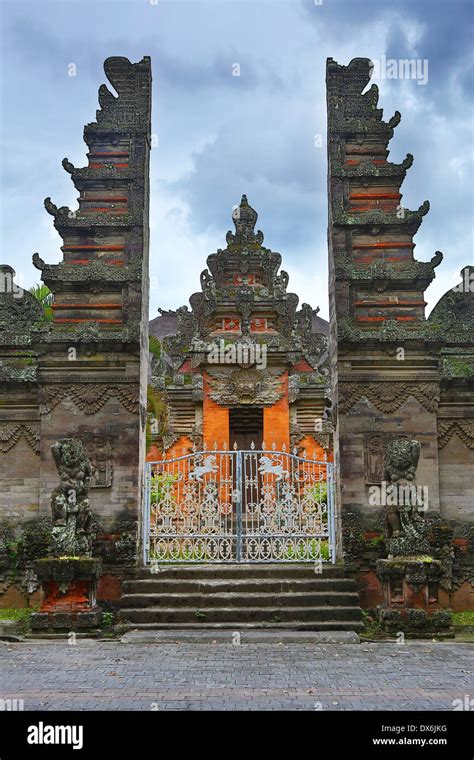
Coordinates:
(244, 218)
(375, 445)
(245, 386)
(98, 449)
(388, 396)
(380, 270)
(19, 309)
(453, 315)
(95, 271)
(71, 534)
(406, 530)
(11, 432)
(293, 388)
(411, 220)
(464, 429)
(89, 397)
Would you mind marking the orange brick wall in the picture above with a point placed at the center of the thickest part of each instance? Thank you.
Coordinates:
(276, 419)
(176, 450)
(215, 420)
(313, 449)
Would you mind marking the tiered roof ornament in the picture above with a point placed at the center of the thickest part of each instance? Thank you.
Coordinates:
(245, 219)
(244, 297)
(105, 239)
(381, 292)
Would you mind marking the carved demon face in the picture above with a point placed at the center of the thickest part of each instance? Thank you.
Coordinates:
(401, 459)
(246, 385)
(72, 453)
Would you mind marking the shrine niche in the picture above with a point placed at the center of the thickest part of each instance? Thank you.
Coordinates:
(243, 344)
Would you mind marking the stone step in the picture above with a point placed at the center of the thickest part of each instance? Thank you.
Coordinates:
(165, 585)
(238, 625)
(258, 570)
(241, 599)
(288, 615)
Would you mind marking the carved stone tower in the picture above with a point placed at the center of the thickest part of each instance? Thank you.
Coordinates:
(92, 367)
(383, 350)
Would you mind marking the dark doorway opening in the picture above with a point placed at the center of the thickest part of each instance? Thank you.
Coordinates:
(246, 426)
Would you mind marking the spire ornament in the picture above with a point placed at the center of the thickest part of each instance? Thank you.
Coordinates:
(245, 219)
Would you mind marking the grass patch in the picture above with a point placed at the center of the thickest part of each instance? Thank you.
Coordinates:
(22, 614)
(17, 613)
(463, 618)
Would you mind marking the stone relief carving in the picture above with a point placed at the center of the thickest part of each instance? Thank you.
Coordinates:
(375, 445)
(406, 529)
(89, 397)
(72, 517)
(98, 449)
(11, 432)
(464, 429)
(388, 396)
(244, 386)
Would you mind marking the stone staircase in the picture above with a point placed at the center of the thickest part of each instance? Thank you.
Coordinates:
(242, 597)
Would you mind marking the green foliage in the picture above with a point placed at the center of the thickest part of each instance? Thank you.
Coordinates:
(318, 492)
(107, 619)
(310, 550)
(43, 294)
(376, 542)
(463, 618)
(159, 481)
(155, 346)
(22, 614)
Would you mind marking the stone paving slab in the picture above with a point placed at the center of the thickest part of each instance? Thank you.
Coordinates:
(114, 675)
(245, 637)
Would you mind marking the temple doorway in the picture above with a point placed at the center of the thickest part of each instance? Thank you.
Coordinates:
(246, 427)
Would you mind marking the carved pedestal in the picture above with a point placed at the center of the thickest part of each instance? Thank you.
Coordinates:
(410, 586)
(69, 587)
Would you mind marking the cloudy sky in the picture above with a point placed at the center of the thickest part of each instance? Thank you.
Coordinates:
(221, 135)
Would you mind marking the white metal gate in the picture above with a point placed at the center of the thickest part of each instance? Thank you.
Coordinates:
(239, 506)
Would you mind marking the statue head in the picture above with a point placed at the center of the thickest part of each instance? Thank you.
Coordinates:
(401, 460)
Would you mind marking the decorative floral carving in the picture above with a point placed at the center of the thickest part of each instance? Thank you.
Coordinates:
(464, 429)
(388, 396)
(11, 432)
(89, 397)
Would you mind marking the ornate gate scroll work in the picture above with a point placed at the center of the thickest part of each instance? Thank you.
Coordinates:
(239, 506)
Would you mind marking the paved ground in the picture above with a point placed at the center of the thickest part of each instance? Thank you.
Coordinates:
(110, 675)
